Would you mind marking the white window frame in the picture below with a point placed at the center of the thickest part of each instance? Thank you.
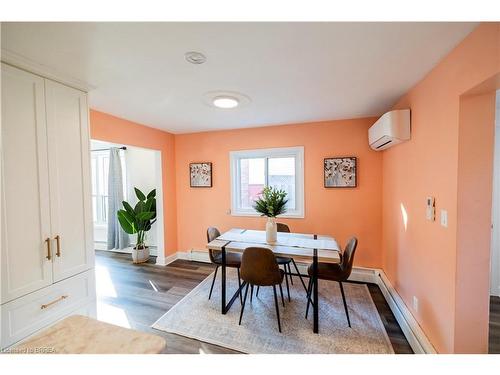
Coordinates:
(296, 152)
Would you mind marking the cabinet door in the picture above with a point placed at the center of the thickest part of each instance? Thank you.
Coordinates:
(25, 185)
(69, 168)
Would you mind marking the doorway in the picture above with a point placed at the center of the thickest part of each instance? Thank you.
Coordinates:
(140, 168)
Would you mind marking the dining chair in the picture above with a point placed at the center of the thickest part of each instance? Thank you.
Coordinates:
(259, 267)
(335, 272)
(233, 260)
(282, 261)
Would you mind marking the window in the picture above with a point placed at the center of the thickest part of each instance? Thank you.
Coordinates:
(100, 168)
(278, 167)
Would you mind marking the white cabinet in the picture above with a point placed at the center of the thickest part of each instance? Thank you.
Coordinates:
(46, 208)
(25, 185)
(69, 159)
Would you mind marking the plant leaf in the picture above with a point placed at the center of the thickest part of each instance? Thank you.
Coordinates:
(145, 216)
(140, 195)
(128, 207)
(152, 194)
(126, 221)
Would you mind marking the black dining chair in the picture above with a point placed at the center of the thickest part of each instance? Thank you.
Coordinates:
(335, 272)
(233, 260)
(259, 267)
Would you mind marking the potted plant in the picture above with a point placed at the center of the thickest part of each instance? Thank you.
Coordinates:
(271, 203)
(138, 220)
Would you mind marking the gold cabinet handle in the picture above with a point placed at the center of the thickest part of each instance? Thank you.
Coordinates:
(53, 302)
(58, 242)
(49, 255)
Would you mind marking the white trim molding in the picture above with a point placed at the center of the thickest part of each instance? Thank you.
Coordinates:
(296, 152)
(409, 325)
(32, 66)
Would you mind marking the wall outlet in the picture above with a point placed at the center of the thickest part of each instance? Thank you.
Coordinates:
(415, 303)
(444, 218)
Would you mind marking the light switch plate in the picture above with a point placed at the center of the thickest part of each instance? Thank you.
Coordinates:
(444, 218)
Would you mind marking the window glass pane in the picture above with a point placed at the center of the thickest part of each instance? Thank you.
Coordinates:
(105, 171)
(94, 208)
(281, 174)
(252, 180)
(94, 175)
(105, 209)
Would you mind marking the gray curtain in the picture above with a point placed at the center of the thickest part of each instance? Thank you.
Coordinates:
(117, 238)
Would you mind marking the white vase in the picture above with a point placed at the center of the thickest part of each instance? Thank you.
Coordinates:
(271, 230)
(140, 255)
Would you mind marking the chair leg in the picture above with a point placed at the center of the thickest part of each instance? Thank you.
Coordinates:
(282, 299)
(239, 286)
(243, 306)
(213, 282)
(277, 307)
(257, 293)
(287, 287)
(251, 293)
(309, 289)
(300, 276)
(290, 273)
(345, 304)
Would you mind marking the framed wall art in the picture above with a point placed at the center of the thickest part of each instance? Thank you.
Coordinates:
(200, 174)
(340, 172)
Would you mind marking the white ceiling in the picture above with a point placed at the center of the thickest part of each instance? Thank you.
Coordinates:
(292, 72)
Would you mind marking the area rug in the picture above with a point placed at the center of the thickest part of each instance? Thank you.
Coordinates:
(199, 318)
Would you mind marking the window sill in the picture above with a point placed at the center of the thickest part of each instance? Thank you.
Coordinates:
(248, 214)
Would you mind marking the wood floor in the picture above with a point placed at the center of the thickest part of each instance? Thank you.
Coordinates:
(494, 339)
(135, 296)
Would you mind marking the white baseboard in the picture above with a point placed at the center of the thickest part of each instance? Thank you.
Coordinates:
(409, 325)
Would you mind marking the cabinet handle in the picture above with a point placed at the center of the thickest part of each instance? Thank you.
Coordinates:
(58, 242)
(54, 301)
(49, 255)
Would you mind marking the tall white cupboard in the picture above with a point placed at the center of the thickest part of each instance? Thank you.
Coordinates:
(47, 256)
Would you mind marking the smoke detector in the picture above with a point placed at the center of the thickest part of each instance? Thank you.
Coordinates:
(194, 57)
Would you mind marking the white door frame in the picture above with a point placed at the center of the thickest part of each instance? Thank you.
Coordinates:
(160, 232)
(160, 227)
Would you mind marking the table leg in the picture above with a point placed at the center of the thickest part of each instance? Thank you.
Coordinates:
(315, 290)
(223, 279)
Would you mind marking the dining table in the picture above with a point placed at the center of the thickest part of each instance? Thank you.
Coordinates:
(302, 247)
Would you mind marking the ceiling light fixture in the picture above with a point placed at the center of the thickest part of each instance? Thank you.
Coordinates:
(225, 99)
(194, 57)
(225, 102)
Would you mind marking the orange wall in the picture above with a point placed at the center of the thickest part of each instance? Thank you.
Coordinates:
(339, 212)
(109, 128)
(475, 176)
(421, 260)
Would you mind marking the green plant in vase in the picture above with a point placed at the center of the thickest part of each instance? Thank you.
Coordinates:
(271, 203)
(138, 220)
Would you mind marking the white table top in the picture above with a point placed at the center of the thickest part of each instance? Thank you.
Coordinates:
(296, 245)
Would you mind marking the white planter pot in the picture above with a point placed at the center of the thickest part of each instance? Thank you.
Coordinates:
(271, 230)
(141, 255)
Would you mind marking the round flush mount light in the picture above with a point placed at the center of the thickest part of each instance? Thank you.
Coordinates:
(226, 102)
(194, 57)
(225, 99)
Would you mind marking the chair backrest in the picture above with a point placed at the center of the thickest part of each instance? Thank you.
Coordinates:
(212, 234)
(282, 228)
(348, 256)
(259, 267)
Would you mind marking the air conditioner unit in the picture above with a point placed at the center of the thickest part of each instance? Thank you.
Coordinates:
(390, 129)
